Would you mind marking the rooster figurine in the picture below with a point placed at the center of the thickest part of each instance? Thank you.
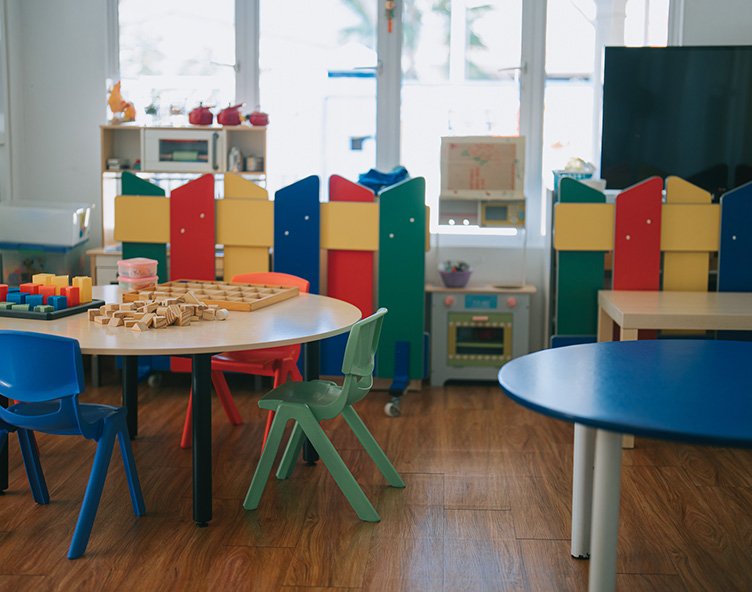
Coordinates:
(121, 109)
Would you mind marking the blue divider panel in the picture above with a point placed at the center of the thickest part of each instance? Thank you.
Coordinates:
(297, 224)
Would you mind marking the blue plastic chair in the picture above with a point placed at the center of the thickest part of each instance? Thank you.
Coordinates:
(45, 375)
(309, 403)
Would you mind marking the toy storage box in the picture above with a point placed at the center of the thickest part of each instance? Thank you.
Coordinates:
(44, 223)
(19, 265)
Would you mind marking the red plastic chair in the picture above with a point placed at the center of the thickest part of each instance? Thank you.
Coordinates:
(279, 362)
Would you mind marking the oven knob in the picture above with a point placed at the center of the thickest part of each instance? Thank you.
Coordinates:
(448, 300)
(511, 302)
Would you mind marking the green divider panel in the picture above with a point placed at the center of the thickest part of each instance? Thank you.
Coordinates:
(402, 261)
(579, 274)
(134, 185)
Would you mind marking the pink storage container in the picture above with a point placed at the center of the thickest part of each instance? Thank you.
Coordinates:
(137, 267)
(137, 283)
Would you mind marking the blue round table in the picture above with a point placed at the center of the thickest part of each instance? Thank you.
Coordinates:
(686, 390)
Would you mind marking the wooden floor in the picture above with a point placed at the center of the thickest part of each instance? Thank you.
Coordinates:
(486, 507)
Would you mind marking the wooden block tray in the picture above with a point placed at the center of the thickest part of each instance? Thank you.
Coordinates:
(232, 296)
(51, 316)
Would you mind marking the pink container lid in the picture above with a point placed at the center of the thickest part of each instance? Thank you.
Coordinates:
(137, 262)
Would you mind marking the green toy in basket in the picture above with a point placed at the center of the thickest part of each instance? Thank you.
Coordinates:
(455, 274)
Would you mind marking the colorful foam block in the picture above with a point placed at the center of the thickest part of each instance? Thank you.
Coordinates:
(20, 307)
(17, 297)
(59, 281)
(42, 278)
(44, 308)
(72, 294)
(3, 292)
(30, 288)
(83, 283)
(46, 291)
(58, 302)
(34, 300)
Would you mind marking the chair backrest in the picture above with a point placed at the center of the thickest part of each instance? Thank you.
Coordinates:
(35, 368)
(360, 353)
(273, 277)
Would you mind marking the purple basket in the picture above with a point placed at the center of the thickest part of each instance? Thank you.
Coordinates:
(455, 279)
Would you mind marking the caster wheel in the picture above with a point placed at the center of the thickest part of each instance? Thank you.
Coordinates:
(392, 409)
(155, 380)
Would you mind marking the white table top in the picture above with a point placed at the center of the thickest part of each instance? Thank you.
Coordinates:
(308, 317)
(678, 310)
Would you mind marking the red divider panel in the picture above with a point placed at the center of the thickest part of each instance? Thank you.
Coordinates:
(637, 237)
(192, 230)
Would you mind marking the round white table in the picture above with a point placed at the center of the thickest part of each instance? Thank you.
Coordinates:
(303, 319)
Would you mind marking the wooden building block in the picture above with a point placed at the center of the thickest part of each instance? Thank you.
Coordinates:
(44, 308)
(116, 322)
(72, 293)
(58, 302)
(142, 219)
(192, 230)
(42, 278)
(583, 226)
(245, 222)
(83, 283)
(34, 300)
(350, 226)
(59, 281)
(297, 229)
(30, 288)
(401, 275)
(637, 237)
(237, 186)
(3, 292)
(735, 254)
(47, 290)
(690, 227)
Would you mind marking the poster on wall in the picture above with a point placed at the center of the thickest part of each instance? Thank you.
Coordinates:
(482, 167)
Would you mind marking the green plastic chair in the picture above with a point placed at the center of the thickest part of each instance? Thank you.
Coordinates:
(309, 403)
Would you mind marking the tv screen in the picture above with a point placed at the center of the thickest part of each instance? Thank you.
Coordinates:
(684, 111)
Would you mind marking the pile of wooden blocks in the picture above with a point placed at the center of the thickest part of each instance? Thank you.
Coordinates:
(142, 315)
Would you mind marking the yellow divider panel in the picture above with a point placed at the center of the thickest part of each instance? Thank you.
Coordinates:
(680, 191)
(142, 219)
(350, 226)
(245, 222)
(584, 227)
(686, 272)
(245, 260)
(690, 227)
(239, 187)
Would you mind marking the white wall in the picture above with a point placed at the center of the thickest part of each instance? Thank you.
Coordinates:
(56, 71)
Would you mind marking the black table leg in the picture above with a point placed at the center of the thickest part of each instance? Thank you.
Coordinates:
(130, 393)
(310, 372)
(202, 444)
(4, 456)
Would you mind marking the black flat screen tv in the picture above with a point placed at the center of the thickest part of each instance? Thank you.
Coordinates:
(684, 111)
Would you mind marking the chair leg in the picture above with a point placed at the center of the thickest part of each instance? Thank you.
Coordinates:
(30, 454)
(223, 392)
(228, 404)
(264, 467)
(280, 376)
(338, 469)
(134, 485)
(186, 438)
(292, 452)
(372, 447)
(267, 428)
(93, 491)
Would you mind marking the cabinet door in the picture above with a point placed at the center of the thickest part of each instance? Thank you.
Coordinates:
(188, 151)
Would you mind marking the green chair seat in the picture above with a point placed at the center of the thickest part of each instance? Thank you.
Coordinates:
(308, 403)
